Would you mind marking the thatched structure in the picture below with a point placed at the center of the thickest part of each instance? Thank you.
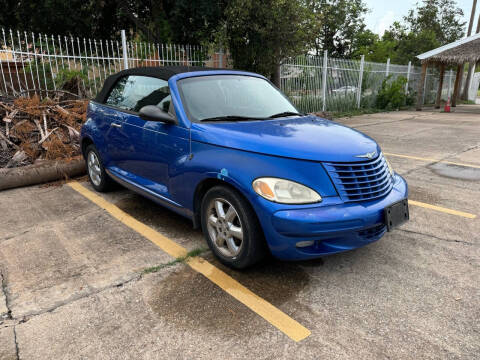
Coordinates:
(456, 53)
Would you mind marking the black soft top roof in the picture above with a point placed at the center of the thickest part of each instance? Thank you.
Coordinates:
(161, 72)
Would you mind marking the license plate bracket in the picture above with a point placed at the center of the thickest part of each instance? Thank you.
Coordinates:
(396, 214)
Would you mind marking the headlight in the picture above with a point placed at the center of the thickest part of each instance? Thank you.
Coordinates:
(390, 169)
(285, 191)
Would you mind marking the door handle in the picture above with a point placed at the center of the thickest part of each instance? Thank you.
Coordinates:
(116, 125)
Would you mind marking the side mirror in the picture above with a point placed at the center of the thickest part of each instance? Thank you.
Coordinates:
(154, 113)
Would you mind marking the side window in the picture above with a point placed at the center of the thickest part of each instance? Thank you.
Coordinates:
(134, 92)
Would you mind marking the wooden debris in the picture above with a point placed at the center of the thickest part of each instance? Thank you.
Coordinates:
(33, 129)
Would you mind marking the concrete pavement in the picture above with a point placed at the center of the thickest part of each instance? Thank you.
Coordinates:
(74, 283)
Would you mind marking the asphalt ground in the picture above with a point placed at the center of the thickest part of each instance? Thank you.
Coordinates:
(115, 276)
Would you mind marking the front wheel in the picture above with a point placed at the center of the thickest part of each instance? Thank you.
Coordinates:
(231, 228)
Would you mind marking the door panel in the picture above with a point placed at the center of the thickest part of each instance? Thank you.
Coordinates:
(149, 153)
(158, 151)
(116, 140)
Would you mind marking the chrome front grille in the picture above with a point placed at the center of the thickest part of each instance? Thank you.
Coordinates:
(363, 180)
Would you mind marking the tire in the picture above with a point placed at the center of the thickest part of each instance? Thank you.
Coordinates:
(99, 179)
(222, 232)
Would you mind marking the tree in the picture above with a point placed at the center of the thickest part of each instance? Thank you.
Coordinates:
(181, 21)
(431, 24)
(260, 34)
(443, 17)
(338, 23)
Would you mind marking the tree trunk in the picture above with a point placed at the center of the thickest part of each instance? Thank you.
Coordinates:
(440, 86)
(456, 88)
(421, 86)
(276, 76)
(40, 173)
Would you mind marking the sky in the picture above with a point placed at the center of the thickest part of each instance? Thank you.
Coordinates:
(384, 12)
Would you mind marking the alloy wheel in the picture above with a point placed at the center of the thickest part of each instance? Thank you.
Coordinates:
(224, 227)
(94, 169)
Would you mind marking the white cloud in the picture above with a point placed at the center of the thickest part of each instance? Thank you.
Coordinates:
(384, 22)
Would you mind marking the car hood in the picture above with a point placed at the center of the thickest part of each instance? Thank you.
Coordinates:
(306, 138)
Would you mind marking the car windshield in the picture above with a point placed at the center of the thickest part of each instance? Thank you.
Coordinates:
(232, 97)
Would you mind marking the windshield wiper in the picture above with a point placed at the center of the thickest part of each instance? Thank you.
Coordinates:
(285, 113)
(230, 118)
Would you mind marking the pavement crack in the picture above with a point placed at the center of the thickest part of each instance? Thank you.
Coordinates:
(387, 122)
(6, 295)
(437, 237)
(182, 259)
(15, 235)
(17, 351)
(26, 317)
(9, 311)
(434, 162)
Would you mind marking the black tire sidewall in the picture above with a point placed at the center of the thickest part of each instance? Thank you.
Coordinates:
(253, 243)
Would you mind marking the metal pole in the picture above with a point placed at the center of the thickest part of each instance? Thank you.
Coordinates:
(93, 64)
(43, 65)
(424, 86)
(50, 62)
(324, 80)
(14, 56)
(55, 53)
(220, 58)
(124, 48)
(471, 65)
(387, 72)
(30, 61)
(8, 61)
(408, 76)
(3, 76)
(360, 79)
(98, 61)
(21, 58)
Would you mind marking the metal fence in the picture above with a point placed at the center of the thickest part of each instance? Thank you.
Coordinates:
(321, 83)
(38, 63)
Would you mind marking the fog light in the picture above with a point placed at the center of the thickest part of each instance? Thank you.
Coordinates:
(302, 244)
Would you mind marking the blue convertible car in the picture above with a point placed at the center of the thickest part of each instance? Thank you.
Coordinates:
(229, 151)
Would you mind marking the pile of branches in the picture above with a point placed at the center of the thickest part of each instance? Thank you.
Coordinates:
(32, 129)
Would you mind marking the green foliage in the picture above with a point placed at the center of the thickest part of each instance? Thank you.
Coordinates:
(260, 34)
(308, 103)
(181, 21)
(72, 80)
(392, 94)
(442, 17)
(339, 26)
(181, 259)
(431, 24)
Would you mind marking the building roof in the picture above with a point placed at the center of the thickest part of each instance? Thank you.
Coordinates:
(161, 72)
(458, 52)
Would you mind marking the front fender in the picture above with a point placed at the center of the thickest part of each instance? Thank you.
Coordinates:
(240, 168)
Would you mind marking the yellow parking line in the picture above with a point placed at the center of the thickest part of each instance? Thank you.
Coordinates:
(270, 313)
(432, 160)
(442, 209)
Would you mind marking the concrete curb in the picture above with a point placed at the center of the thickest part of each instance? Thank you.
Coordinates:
(40, 173)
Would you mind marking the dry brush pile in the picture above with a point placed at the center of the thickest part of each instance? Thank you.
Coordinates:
(32, 129)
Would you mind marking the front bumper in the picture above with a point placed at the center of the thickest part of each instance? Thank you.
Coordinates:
(333, 227)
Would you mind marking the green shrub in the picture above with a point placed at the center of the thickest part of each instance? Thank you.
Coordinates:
(392, 94)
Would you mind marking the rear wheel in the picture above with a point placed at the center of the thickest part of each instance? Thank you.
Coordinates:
(231, 228)
(96, 172)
